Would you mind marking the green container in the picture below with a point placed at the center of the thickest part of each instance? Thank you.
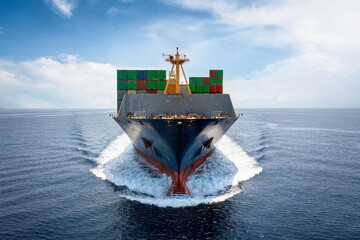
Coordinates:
(121, 84)
(192, 88)
(151, 74)
(219, 73)
(219, 81)
(212, 80)
(151, 85)
(131, 75)
(141, 91)
(120, 94)
(192, 80)
(161, 84)
(161, 74)
(206, 88)
(199, 88)
(131, 84)
(121, 74)
(199, 81)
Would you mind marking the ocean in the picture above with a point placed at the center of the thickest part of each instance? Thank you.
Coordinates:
(276, 174)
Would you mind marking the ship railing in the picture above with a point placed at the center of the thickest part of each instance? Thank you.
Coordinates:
(219, 114)
(137, 114)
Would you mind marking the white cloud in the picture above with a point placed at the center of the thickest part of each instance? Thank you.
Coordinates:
(63, 82)
(112, 11)
(311, 81)
(63, 7)
(324, 69)
(307, 23)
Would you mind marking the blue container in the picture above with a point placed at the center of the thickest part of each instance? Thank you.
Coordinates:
(141, 74)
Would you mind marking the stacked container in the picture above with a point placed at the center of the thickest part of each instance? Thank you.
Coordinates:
(212, 84)
(121, 86)
(154, 81)
(161, 81)
(216, 81)
(139, 82)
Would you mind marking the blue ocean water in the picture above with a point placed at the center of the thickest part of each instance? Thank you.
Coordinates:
(277, 174)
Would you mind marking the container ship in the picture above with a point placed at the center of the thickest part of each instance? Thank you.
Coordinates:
(174, 126)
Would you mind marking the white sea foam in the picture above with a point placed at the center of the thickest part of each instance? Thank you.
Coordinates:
(215, 181)
(113, 150)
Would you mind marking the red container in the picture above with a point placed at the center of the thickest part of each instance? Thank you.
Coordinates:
(219, 78)
(212, 73)
(151, 91)
(212, 88)
(206, 81)
(141, 84)
(219, 88)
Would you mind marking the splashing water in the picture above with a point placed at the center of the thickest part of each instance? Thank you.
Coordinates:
(215, 181)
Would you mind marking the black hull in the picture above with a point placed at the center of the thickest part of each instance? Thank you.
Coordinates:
(176, 143)
(175, 146)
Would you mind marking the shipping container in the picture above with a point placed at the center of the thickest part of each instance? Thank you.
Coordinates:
(131, 91)
(120, 94)
(219, 73)
(160, 91)
(192, 80)
(212, 80)
(199, 88)
(206, 88)
(151, 75)
(141, 91)
(206, 80)
(161, 74)
(199, 81)
(161, 84)
(121, 84)
(219, 88)
(212, 88)
(141, 74)
(212, 73)
(131, 75)
(121, 74)
(131, 84)
(219, 80)
(151, 84)
(192, 88)
(151, 91)
(141, 84)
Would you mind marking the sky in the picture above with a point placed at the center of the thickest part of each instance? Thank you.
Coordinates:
(274, 53)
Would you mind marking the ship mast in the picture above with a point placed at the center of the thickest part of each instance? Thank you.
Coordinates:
(173, 82)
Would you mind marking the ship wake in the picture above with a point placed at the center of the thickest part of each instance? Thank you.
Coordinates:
(218, 179)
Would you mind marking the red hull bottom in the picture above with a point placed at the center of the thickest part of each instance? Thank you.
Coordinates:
(178, 184)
